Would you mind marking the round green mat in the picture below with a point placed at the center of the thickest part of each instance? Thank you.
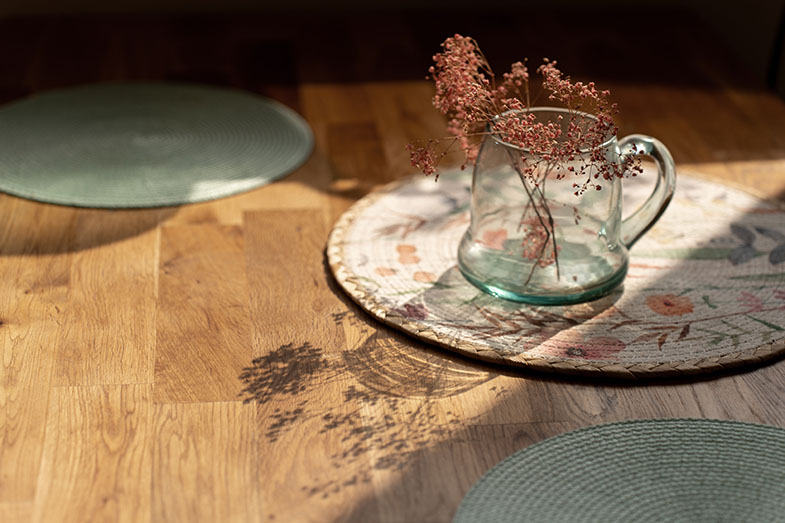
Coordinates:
(146, 145)
(677, 470)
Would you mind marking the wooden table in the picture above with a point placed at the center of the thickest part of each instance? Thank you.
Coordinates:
(199, 363)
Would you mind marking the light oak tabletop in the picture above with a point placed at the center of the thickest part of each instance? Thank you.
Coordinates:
(199, 363)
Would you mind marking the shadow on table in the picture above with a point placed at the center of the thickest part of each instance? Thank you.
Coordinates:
(427, 450)
(427, 482)
(438, 453)
(32, 228)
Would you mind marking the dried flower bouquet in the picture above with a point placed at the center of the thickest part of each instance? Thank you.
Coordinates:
(569, 146)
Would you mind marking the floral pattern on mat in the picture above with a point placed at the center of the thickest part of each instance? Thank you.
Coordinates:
(707, 281)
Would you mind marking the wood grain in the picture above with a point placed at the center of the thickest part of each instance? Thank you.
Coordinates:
(290, 298)
(96, 464)
(25, 381)
(200, 364)
(205, 463)
(403, 112)
(16, 512)
(34, 284)
(108, 331)
(298, 379)
(202, 319)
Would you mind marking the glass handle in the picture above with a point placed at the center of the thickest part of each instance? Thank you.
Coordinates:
(642, 219)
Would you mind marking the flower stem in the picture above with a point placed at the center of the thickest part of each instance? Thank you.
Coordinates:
(541, 189)
(550, 233)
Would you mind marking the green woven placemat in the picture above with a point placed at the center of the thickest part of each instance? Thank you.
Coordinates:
(677, 470)
(146, 145)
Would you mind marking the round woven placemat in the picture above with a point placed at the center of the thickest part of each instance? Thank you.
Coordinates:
(705, 288)
(146, 145)
(678, 471)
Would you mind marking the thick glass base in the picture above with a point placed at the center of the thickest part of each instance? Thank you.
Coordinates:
(586, 270)
(592, 293)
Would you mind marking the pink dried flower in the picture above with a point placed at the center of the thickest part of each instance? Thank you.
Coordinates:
(536, 242)
(467, 93)
(568, 145)
(424, 158)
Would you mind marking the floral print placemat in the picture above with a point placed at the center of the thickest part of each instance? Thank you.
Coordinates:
(705, 288)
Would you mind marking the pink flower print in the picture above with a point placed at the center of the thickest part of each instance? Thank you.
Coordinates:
(494, 239)
(414, 311)
(599, 348)
(669, 304)
(751, 302)
(385, 271)
(424, 277)
(406, 254)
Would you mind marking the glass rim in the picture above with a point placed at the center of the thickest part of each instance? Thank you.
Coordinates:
(544, 108)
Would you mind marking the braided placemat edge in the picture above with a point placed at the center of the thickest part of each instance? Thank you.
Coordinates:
(629, 371)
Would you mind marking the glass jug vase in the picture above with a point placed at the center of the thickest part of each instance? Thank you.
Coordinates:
(537, 241)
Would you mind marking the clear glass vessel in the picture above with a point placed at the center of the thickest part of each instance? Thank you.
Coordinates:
(539, 243)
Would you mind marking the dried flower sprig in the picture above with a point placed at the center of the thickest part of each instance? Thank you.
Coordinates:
(476, 106)
(467, 93)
